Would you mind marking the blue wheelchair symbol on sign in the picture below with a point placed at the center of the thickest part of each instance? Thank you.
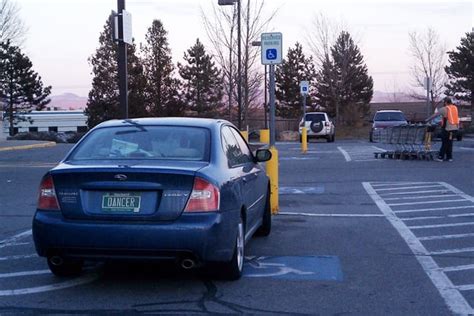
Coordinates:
(272, 54)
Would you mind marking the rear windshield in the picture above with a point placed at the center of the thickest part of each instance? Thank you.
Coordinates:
(144, 143)
(389, 116)
(319, 117)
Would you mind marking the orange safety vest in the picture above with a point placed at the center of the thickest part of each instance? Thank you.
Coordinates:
(452, 114)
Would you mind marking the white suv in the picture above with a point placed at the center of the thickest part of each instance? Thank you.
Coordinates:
(318, 125)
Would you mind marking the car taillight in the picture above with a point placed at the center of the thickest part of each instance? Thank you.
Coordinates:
(47, 195)
(205, 197)
(326, 123)
(302, 124)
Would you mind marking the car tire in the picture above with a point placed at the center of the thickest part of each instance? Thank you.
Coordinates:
(333, 138)
(233, 269)
(459, 137)
(66, 268)
(371, 137)
(301, 139)
(266, 227)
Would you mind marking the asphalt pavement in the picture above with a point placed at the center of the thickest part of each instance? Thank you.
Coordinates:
(355, 235)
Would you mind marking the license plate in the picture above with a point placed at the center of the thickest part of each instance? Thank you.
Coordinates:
(121, 202)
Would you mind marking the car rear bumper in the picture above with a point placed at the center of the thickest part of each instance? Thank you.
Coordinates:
(203, 236)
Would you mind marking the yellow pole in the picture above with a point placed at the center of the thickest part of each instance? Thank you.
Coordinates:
(265, 136)
(245, 134)
(272, 172)
(304, 140)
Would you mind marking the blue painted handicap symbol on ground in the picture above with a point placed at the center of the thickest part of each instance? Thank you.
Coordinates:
(271, 54)
(311, 268)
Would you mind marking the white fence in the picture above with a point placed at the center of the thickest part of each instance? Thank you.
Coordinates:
(53, 121)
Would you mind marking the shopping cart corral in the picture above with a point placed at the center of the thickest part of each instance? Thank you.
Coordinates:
(410, 141)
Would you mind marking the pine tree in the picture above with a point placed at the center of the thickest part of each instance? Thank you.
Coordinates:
(21, 88)
(349, 83)
(295, 68)
(162, 90)
(103, 102)
(461, 71)
(326, 94)
(202, 82)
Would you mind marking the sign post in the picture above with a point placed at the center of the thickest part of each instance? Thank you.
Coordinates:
(271, 44)
(304, 90)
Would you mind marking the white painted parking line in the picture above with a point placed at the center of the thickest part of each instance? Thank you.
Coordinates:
(468, 287)
(375, 185)
(441, 225)
(7, 242)
(345, 154)
(331, 215)
(434, 209)
(413, 192)
(441, 237)
(379, 149)
(457, 191)
(451, 294)
(51, 287)
(450, 251)
(435, 217)
(459, 268)
(18, 257)
(411, 187)
(420, 197)
(25, 273)
(428, 202)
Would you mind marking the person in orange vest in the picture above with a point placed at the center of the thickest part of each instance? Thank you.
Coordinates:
(450, 126)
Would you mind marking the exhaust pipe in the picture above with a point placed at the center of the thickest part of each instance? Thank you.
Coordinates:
(188, 264)
(56, 260)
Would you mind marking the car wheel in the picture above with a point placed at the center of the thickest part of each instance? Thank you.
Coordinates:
(459, 137)
(333, 138)
(371, 137)
(301, 139)
(64, 267)
(328, 138)
(266, 227)
(232, 270)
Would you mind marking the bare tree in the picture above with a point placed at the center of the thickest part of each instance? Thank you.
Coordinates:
(221, 27)
(322, 35)
(12, 27)
(429, 59)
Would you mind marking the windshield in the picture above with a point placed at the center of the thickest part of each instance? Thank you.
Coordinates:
(144, 142)
(389, 116)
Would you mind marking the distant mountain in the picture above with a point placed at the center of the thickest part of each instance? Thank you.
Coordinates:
(68, 101)
(382, 97)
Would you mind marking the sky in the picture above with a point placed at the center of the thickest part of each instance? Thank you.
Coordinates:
(63, 34)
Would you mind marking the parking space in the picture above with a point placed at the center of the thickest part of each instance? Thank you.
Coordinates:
(436, 221)
(351, 237)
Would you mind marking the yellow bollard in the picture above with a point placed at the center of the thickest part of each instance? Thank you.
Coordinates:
(245, 135)
(272, 172)
(265, 136)
(304, 140)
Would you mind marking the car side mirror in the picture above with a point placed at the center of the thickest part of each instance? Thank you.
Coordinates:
(263, 155)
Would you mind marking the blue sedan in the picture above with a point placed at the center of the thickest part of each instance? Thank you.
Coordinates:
(182, 189)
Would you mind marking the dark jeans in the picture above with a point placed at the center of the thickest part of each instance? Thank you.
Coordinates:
(447, 144)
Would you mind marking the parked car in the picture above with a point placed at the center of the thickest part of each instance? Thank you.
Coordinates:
(386, 118)
(318, 125)
(182, 189)
(437, 129)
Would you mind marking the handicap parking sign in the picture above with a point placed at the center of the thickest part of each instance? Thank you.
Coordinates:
(272, 54)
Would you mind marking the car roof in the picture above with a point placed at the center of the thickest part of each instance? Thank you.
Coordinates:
(181, 121)
(385, 111)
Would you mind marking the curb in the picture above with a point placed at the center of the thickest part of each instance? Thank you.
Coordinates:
(24, 147)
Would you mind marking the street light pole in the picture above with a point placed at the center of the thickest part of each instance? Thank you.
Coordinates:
(239, 65)
(239, 58)
(122, 62)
